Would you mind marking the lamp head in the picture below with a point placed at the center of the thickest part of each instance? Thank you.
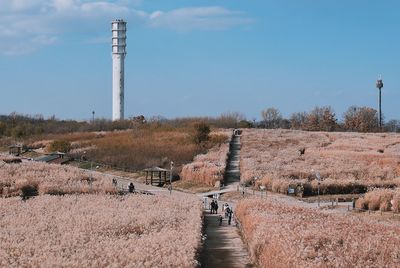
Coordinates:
(379, 82)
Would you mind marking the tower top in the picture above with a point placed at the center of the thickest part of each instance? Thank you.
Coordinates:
(118, 20)
(118, 29)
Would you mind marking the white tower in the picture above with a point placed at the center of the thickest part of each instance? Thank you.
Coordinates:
(118, 28)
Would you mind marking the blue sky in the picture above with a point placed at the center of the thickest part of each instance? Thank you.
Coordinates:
(199, 58)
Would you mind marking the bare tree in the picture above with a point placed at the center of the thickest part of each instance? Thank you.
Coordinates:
(298, 120)
(271, 117)
(392, 126)
(230, 119)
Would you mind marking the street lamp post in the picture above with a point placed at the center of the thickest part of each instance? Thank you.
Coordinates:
(379, 85)
(93, 117)
(319, 183)
(170, 178)
(91, 174)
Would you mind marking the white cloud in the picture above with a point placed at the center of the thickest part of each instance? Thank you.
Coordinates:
(28, 25)
(31, 44)
(199, 18)
(61, 5)
(104, 7)
(18, 5)
(155, 15)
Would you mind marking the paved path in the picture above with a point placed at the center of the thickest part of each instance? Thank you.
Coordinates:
(223, 246)
(232, 174)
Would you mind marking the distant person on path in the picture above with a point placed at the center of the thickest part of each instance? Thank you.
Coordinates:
(212, 207)
(230, 216)
(228, 210)
(224, 208)
(216, 207)
(114, 182)
(220, 220)
(131, 187)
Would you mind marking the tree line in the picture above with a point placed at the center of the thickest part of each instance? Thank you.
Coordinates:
(20, 126)
(358, 119)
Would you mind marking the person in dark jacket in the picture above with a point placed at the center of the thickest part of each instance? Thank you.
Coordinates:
(131, 187)
(230, 216)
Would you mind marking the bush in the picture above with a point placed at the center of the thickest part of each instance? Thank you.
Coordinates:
(62, 146)
(29, 191)
(377, 199)
(201, 133)
(361, 119)
(218, 139)
(321, 119)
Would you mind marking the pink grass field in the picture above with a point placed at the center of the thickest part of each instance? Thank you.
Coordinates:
(283, 235)
(50, 178)
(346, 161)
(207, 168)
(92, 226)
(100, 231)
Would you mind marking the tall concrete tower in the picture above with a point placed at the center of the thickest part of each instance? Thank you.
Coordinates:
(118, 28)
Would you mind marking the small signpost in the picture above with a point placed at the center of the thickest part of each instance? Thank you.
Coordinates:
(262, 189)
(319, 183)
(205, 201)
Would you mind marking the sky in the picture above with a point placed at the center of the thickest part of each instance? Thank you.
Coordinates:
(199, 58)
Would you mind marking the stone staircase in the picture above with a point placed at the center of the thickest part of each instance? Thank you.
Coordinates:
(232, 173)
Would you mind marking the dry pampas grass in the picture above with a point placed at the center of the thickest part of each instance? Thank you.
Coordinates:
(286, 235)
(347, 162)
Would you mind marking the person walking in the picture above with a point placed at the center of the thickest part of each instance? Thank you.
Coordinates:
(216, 207)
(230, 216)
(212, 206)
(227, 212)
(225, 209)
(131, 187)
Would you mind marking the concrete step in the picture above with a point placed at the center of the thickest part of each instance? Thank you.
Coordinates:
(232, 167)
(232, 172)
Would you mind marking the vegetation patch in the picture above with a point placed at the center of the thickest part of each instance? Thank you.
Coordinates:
(347, 163)
(208, 168)
(100, 231)
(286, 235)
